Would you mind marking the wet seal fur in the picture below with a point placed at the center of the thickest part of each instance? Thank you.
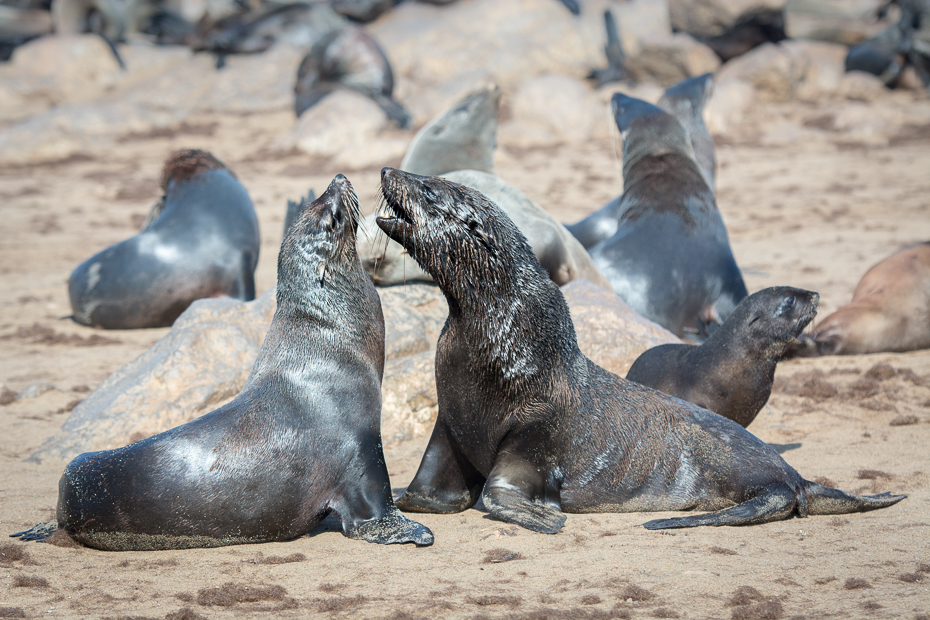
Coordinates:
(732, 372)
(685, 101)
(889, 311)
(670, 258)
(531, 426)
(200, 240)
(301, 440)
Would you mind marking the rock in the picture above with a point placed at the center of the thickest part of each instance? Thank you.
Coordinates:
(769, 68)
(413, 317)
(608, 332)
(200, 364)
(252, 82)
(713, 17)
(460, 45)
(350, 129)
(727, 106)
(672, 58)
(36, 389)
(861, 86)
(551, 109)
(846, 22)
(409, 403)
(823, 69)
(868, 123)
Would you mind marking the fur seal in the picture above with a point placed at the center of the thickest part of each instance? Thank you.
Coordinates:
(685, 101)
(462, 138)
(732, 372)
(348, 58)
(200, 240)
(613, 49)
(560, 254)
(531, 426)
(670, 258)
(301, 440)
(889, 311)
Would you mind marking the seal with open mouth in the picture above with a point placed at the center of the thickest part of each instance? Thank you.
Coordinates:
(534, 428)
(301, 440)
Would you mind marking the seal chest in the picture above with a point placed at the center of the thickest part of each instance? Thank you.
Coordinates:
(531, 426)
(300, 441)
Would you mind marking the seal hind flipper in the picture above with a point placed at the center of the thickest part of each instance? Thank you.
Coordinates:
(615, 71)
(393, 110)
(445, 482)
(515, 492)
(38, 532)
(774, 505)
(823, 500)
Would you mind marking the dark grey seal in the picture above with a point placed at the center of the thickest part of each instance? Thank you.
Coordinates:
(300, 441)
(534, 428)
(201, 240)
(732, 372)
(670, 258)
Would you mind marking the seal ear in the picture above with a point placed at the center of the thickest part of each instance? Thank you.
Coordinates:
(477, 230)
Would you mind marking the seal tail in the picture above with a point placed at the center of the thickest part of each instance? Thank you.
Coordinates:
(823, 500)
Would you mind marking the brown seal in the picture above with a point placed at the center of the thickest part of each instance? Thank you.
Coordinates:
(534, 428)
(301, 440)
(732, 372)
(889, 311)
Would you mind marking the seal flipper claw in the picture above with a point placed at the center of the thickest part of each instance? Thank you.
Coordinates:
(516, 491)
(514, 507)
(38, 532)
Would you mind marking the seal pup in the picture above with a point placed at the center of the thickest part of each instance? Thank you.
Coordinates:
(348, 58)
(732, 372)
(464, 137)
(300, 441)
(670, 258)
(534, 428)
(200, 240)
(685, 101)
(889, 311)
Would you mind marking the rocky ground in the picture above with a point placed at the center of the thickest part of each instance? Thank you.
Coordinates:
(820, 176)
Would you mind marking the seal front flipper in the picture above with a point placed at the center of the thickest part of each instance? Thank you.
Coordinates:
(515, 492)
(38, 532)
(774, 505)
(391, 528)
(446, 482)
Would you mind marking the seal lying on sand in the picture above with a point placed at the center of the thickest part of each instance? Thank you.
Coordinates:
(670, 258)
(301, 440)
(200, 240)
(732, 372)
(889, 311)
(460, 145)
(348, 58)
(533, 427)
(685, 101)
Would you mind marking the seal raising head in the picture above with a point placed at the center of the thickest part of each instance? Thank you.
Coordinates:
(533, 427)
(300, 441)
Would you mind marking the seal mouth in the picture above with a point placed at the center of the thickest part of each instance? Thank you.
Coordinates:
(808, 315)
(397, 222)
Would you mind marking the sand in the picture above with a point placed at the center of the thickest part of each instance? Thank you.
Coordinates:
(813, 213)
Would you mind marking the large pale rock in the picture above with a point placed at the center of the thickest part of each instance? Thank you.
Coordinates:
(434, 49)
(205, 359)
(201, 363)
(409, 403)
(728, 105)
(846, 22)
(671, 58)
(608, 331)
(350, 129)
(823, 66)
(551, 109)
(713, 17)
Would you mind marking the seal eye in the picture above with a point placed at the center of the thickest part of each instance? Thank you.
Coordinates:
(785, 306)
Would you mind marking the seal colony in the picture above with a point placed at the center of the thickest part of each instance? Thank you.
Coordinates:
(301, 440)
(200, 240)
(531, 426)
(732, 372)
